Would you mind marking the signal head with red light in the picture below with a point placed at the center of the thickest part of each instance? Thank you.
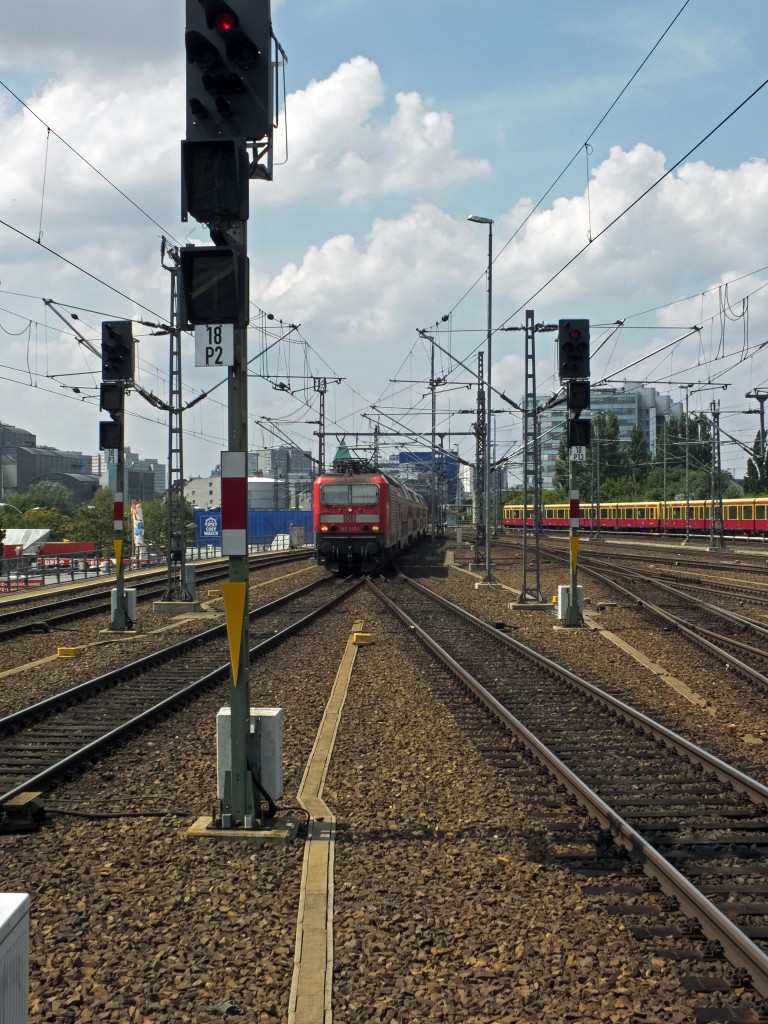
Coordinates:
(573, 349)
(229, 70)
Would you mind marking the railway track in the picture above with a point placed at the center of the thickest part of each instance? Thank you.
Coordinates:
(43, 616)
(733, 639)
(691, 574)
(41, 743)
(694, 823)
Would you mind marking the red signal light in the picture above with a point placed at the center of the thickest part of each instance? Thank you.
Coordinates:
(574, 335)
(225, 21)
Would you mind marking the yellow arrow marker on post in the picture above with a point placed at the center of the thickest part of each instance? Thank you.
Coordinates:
(235, 596)
(119, 556)
(574, 550)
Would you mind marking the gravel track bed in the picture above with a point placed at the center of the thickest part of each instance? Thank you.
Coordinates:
(132, 920)
(30, 670)
(441, 914)
(730, 701)
(453, 903)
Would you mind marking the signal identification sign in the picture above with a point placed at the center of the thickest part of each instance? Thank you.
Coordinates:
(577, 453)
(214, 345)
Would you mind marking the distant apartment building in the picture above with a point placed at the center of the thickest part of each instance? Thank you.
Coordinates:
(280, 462)
(633, 404)
(145, 479)
(203, 492)
(264, 493)
(24, 463)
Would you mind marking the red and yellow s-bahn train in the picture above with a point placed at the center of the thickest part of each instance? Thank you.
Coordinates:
(363, 520)
(747, 516)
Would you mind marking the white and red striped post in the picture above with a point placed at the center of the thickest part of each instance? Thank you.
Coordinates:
(574, 615)
(234, 503)
(119, 620)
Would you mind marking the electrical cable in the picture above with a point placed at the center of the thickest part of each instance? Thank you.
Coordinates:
(86, 162)
(104, 815)
(82, 270)
(574, 157)
(635, 201)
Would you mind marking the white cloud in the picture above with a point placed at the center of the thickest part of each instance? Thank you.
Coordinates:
(680, 235)
(408, 270)
(335, 144)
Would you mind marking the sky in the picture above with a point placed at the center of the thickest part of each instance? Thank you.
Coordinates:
(619, 148)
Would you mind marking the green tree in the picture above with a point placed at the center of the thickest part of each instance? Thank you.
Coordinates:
(156, 522)
(756, 476)
(638, 455)
(606, 451)
(605, 459)
(59, 523)
(25, 516)
(94, 521)
(51, 495)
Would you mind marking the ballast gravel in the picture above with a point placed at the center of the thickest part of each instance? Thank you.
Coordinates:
(468, 889)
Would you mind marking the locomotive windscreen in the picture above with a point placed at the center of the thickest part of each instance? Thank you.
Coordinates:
(349, 494)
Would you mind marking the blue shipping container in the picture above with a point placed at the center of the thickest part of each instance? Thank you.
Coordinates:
(263, 527)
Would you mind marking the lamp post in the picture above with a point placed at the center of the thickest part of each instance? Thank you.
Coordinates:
(489, 579)
(7, 504)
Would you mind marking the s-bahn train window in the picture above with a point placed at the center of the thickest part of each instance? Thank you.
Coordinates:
(746, 512)
(349, 494)
(759, 511)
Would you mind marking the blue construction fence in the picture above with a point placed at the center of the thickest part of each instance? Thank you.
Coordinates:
(263, 527)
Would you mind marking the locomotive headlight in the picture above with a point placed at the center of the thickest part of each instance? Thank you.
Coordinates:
(323, 529)
(375, 529)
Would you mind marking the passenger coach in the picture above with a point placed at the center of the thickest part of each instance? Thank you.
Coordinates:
(747, 516)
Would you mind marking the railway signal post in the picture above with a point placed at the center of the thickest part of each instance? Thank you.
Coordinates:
(117, 371)
(230, 114)
(573, 366)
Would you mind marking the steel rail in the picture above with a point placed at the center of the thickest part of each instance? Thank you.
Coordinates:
(699, 634)
(93, 597)
(738, 948)
(721, 613)
(126, 728)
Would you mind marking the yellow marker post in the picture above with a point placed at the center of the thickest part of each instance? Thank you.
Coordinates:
(574, 550)
(119, 556)
(235, 596)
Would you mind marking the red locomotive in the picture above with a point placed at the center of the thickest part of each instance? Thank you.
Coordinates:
(364, 518)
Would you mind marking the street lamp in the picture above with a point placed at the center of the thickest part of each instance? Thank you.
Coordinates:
(7, 504)
(489, 579)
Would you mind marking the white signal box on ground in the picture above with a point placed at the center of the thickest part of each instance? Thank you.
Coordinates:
(265, 748)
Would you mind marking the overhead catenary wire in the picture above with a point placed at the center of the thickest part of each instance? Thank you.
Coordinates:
(50, 131)
(531, 212)
(635, 201)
